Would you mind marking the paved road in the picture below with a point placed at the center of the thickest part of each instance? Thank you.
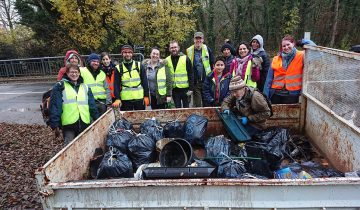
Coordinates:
(20, 102)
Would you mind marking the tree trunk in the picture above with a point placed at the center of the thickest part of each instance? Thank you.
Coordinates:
(211, 35)
(333, 32)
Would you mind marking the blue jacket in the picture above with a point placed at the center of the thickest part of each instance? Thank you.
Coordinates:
(56, 104)
(208, 91)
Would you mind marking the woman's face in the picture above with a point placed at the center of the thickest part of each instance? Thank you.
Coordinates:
(255, 44)
(243, 50)
(219, 67)
(73, 74)
(155, 55)
(106, 60)
(287, 46)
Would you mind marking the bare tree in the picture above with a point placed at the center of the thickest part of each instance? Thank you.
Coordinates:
(334, 28)
(8, 14)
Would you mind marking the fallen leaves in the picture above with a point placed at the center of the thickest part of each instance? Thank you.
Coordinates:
(23, 148)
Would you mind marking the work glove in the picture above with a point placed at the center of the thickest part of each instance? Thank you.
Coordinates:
(168, 99)
(189, 93)
(117, 103)
(57, 132)
(226, 111)
(244, 120)
(146, 101)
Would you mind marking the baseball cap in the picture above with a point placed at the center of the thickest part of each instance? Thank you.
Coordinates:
(199, 34)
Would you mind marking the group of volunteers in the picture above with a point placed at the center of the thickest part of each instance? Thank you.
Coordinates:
(242, 80)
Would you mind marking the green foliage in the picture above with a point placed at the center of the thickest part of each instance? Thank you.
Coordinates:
(156, 23)
(291, 18)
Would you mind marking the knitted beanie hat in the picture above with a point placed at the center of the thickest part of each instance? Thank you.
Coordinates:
(236, 83)
(226, 45)
(126, 48)
(92, 57)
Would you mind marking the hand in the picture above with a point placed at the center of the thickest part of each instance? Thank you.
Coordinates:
(57, 132)
(146, 101)
(117, 103)
(244, 120)
(226, 111)
(189, 93)
(168, 99)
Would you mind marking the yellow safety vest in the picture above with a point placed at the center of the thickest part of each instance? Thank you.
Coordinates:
(161, 81)
(75, 104)
(205, 58)
(180, 77)
(131, 82)
(249, 81)
(96, 86)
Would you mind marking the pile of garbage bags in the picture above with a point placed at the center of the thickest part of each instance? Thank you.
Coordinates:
(272, 153)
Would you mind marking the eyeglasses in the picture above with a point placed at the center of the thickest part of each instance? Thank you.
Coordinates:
(74, 72)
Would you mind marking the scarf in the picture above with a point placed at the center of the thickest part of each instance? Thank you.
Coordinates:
(108, 69)
(242, 65)
(288, 57)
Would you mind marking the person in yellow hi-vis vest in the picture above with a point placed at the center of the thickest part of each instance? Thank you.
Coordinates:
(182, 74)
(72, 105)
(130, 83)
(202, 60)
(96, 80)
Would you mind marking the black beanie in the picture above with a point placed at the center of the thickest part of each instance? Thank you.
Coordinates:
(226, 45)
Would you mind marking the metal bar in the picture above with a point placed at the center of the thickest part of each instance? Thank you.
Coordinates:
(332, 51)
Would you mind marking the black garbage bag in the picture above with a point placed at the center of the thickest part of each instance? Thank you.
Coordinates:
(217, 149)
(152, 128)
(120, 140)
(195, 127)
(299, 148)
(120, 125)
(142, 150)
(202, 163)
(95, 162)
(173, 129)
(316, 170)
(115, 164)
(231, 169)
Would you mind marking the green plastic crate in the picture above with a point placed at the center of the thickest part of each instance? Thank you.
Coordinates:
(234, 127)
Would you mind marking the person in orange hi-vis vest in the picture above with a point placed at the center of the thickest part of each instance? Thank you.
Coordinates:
(108, 67)
(284, 79)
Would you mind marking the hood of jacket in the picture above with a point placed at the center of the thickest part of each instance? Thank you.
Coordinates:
(74, 53)
(260, 39)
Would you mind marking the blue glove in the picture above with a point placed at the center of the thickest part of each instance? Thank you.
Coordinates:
(226, 111)
(244, 120)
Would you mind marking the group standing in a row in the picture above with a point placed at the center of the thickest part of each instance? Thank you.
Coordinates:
(132, 85)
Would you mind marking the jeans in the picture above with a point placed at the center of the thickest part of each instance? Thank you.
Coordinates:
(132, 105)
(155, 105)
(283, 99)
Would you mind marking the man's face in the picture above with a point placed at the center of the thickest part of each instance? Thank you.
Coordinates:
(226, 52)
(198, 41)
(238, 94)
(127, 55)
(174, 48)
(94, 64)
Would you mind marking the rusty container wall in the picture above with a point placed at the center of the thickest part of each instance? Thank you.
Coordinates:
(331, 86)
(72, 162)
(339, 142)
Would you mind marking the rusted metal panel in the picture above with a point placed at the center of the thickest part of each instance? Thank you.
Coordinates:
(211, 196)
(72, 162)
(339, 142)
(340, 53)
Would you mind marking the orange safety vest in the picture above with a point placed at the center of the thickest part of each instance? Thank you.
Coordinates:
(110, 82)
(290, 79)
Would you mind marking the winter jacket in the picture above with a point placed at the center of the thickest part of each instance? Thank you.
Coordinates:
(56, 104)
(209, 94)
(228, 62)
(63, 69)
(265, 65)
(253, 105)
(254, 72)
(162, 63)
(109, 71)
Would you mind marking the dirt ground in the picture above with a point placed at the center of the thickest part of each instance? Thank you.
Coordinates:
(23, 148)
